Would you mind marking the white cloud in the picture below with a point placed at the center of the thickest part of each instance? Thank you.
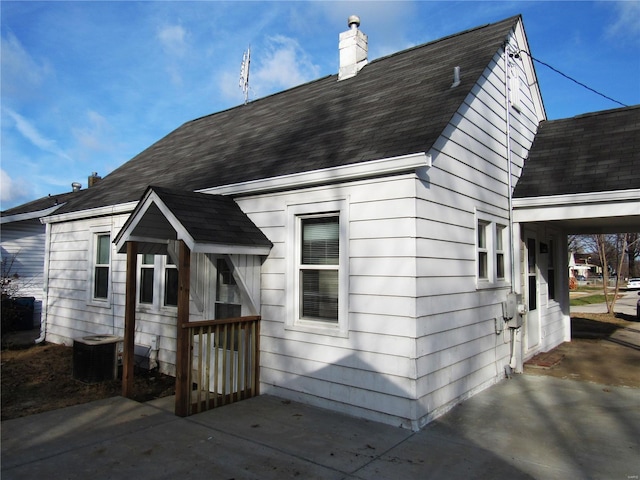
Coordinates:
(283, 65)
(92, 136)
(173, 39)
(627, 22)
(20, 72)
(12, 191)
(31, 133)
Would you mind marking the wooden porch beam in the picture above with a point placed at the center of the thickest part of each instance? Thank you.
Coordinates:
(183, 353)
(129, 320)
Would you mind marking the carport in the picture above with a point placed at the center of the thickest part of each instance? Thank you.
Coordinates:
(582, 176)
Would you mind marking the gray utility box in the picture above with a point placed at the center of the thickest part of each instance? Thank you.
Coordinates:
(95, 358)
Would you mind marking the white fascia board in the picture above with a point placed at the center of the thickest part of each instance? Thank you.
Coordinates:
(582, 205)
(385, 166)
(20, 217)
(532, 79)
(219, 248)
(92, 212)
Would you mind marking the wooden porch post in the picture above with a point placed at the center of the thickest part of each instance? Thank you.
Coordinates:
(129, 320)
(183, 353)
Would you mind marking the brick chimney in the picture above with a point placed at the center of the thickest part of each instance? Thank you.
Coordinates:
(93, 179)
(353, 49)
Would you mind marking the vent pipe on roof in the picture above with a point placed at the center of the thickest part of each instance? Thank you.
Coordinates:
(76, 186)
(353, 49)
(456, 77)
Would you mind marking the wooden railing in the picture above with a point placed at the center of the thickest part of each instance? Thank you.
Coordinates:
(224, 362)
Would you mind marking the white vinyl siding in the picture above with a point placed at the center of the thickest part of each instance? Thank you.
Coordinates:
(23, 243)
(459, 293)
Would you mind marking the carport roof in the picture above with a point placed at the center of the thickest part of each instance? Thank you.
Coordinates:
(207, 223)
(596, 152)
(583, 174)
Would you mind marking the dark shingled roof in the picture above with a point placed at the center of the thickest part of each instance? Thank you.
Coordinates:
(596, 152)
(396, 105)
(226, 223)
(40, 204)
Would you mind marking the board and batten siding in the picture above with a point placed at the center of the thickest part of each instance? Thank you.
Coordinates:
(23, 245)
(458, 349)
(370, 371)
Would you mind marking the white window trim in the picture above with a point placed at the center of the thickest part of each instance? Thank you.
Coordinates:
(293, 227)
(492, 221)
(94, 232)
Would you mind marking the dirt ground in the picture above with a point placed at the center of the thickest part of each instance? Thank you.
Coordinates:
(592, 355)
(39, 378)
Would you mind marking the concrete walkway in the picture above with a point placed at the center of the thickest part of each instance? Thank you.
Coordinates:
(526, 427)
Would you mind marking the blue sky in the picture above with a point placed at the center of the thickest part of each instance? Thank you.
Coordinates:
(88, 85)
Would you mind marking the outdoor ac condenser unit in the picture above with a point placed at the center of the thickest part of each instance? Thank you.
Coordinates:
(95, 358)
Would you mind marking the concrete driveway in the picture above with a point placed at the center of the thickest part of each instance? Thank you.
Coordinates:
(525, 427)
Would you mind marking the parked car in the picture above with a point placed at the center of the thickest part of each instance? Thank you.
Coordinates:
(581, 278)
(633, 284)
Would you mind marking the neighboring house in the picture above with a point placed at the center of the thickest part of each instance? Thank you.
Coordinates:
(364, 216)
(22, 241)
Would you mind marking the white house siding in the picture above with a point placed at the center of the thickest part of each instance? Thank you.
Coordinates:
(370, 371)
(69, 314)
(23, 243)
(458, 350)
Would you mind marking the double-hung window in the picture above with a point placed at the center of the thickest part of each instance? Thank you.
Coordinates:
(491, 255)
(318, 268)
(101, 266)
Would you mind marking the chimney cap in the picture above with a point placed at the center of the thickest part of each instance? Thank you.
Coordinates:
(353, 20)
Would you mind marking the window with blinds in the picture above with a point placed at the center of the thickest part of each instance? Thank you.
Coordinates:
(319, 267)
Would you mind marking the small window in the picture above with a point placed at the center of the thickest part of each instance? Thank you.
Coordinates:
(483, 254)
(318, 271)
(170, 283)
(101, 268)
(147, 278)
(500, 230)
(492, 252)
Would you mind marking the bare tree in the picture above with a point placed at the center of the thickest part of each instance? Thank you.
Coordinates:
(611, 246)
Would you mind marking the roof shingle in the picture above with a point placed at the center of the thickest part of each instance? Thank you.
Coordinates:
(396, 105)
(595, 152)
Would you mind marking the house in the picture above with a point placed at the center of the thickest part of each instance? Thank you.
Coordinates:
(365, 217)
(22, 242)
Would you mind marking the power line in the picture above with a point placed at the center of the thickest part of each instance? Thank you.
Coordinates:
(571, 78)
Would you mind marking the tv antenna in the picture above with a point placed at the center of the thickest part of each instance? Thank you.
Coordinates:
(244, 74)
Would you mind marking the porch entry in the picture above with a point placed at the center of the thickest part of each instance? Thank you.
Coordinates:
(218, 344)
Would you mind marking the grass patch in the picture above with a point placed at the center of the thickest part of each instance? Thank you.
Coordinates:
(588, 300)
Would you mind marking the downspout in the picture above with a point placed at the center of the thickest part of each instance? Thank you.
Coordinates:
(45, 285)
(512, 358)
(509, 161)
